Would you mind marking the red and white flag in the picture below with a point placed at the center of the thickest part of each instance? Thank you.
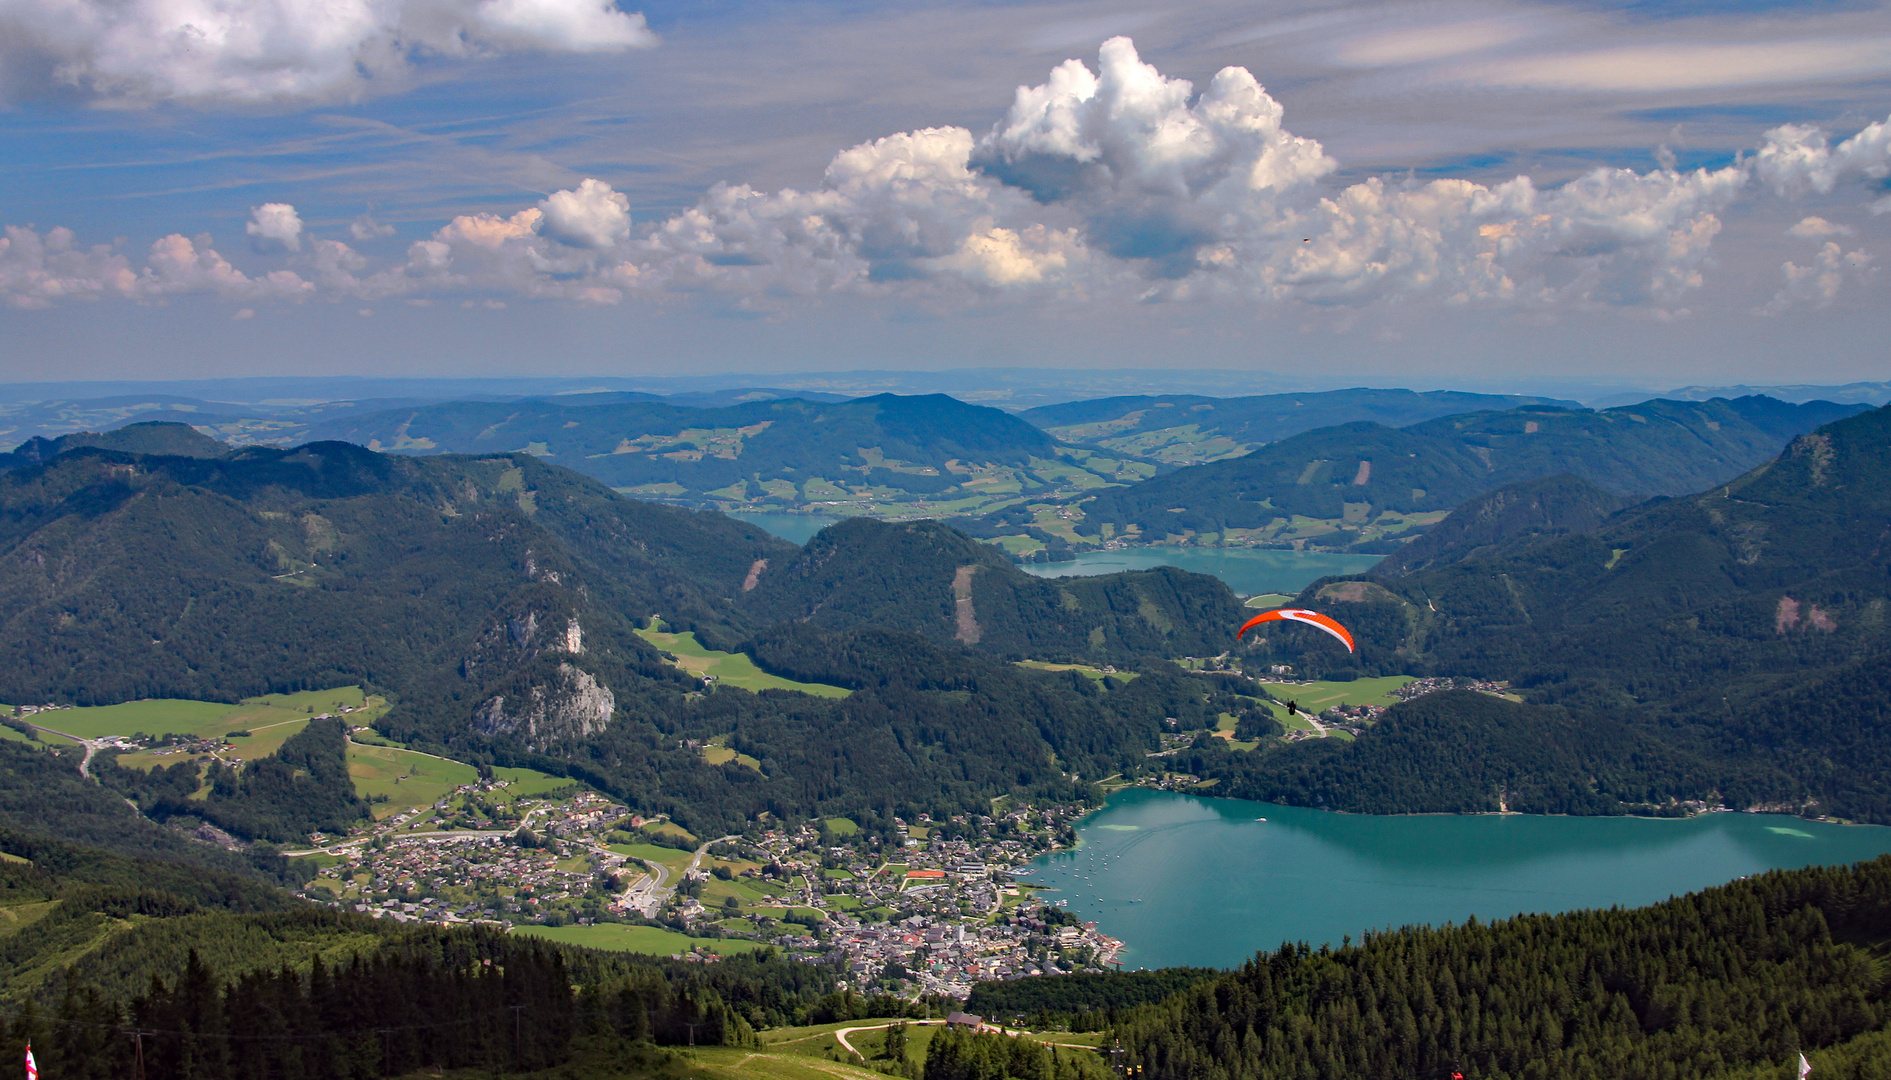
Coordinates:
(32, 1068)
(1805, 1067)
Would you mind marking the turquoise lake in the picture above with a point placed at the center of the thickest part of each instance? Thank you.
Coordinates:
(1200, 882)
(794, 528)
(1248, 571)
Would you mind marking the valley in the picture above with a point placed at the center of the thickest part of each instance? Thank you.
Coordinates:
(610, 729)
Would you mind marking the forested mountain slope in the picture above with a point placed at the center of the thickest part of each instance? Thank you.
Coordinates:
(1357, 472)
(146, 437)
(938, 582)
(1742, 628)
(131, 576)
(1510, 516)
(495, 601)
(875, 452)
(1190, 429)
(1713, 984)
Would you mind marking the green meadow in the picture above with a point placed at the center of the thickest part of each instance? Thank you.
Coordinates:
(729, 669)
(618, 937)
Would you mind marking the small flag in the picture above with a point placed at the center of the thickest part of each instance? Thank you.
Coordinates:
(32, 1068)
(1805, 1067)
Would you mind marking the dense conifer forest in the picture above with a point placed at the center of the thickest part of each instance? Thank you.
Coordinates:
(1740, 977)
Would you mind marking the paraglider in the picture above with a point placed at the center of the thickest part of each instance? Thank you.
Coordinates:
(1299, 615)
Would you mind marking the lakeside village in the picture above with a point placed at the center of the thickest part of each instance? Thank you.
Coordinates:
(928, 910)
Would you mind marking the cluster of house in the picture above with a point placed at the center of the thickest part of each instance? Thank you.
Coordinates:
(492, 878)
(947, 956)
(488, 874)
(937, 914)
(1418, 688)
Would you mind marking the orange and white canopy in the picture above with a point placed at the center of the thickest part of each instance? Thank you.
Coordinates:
(1299, 615)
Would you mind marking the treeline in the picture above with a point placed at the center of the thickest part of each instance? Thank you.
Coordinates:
(432, 998)
(959, 1054)
(1728, 979)
(1079, 1002)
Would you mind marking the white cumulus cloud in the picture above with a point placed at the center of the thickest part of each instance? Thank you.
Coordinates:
(1797, 158)
(1812, 228)
(1108, 184)
(262, 50)
(591, 215)
(275, 225)
(1819, 283)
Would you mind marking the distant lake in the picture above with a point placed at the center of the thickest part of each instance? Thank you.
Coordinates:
(1216, 885)
(794, 528)
(1248, 571)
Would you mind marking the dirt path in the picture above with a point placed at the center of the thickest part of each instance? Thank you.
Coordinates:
(969, 632)
(841, 1035)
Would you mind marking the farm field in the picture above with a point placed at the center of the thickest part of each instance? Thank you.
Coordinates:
(1224, 727)
(270, 719)
(410, 779)
(1323, 695)
(1268, 600)
(729, 669)
(617, 937)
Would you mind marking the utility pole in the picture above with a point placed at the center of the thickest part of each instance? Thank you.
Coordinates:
(137, 1035)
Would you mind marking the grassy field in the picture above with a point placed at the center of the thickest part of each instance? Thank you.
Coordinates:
(1225, 728)
(819, 1041)
(617, 937)
(671, 857)
(407, 779)
(716, 752)
(270, 719)
(729, 669)
(411, 779)
(1268, 600)
(1316, 697)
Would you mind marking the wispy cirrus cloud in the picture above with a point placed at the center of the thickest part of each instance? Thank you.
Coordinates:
(1686, 65)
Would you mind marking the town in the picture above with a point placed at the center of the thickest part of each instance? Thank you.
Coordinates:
(923, 908)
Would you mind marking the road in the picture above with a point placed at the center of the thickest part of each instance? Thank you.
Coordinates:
(647, 894)
(841, 1035)
(91, 745)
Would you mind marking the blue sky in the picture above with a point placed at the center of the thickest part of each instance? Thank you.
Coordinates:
(1494, 193)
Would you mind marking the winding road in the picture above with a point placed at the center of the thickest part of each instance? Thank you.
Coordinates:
(91, 745)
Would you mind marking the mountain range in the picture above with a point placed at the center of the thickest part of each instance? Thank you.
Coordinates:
(1730, 645)
(1181, 429)
(496, 600)
(1360, 482)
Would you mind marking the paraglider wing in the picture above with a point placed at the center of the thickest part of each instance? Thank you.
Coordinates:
(1299, 615)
